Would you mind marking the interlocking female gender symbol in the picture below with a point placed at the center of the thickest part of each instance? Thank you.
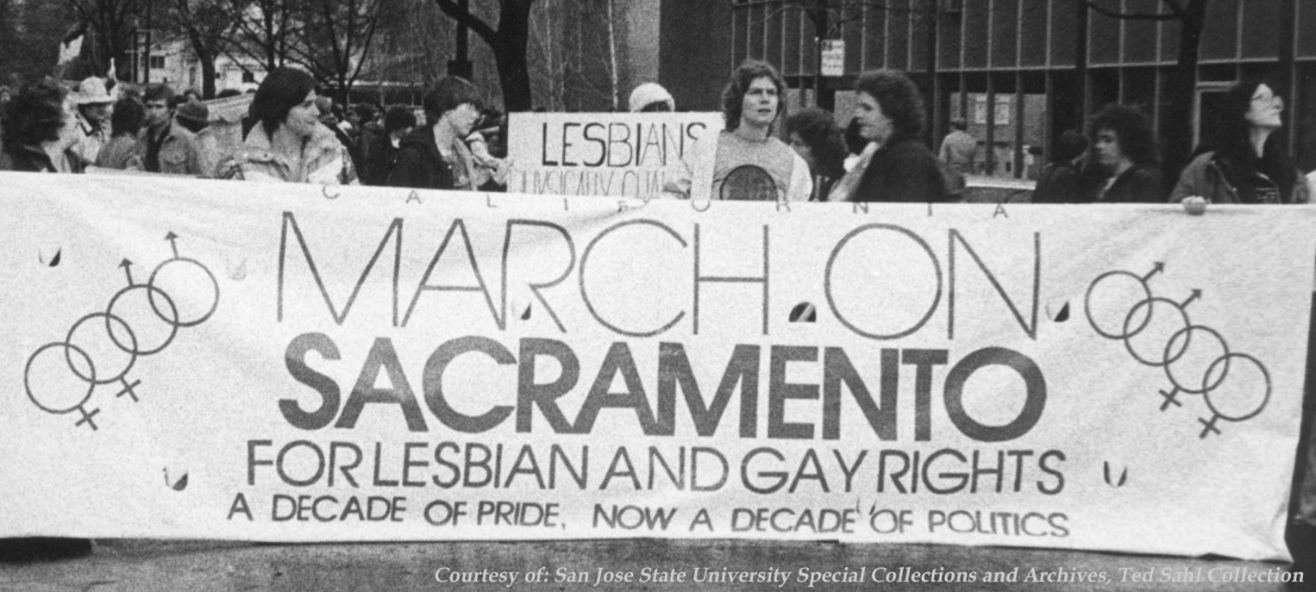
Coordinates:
(115, 342)
(1190, 349)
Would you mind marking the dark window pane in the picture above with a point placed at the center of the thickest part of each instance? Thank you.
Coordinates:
(1033, 35)
(1104, 35)
(1220, 33)
(1262, 25)
(1064, 32)
(1005, 15)
(975, 34)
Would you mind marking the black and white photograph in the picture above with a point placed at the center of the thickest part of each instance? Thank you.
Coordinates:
(665, 295)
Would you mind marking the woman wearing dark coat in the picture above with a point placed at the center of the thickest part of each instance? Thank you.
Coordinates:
(890, 113)
(1246, 163)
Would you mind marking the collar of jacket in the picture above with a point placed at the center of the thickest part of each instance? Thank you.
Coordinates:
(88, 128)
(258, 147)
(170, 131)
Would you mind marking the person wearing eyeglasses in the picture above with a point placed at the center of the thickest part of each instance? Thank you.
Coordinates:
(1246, 162)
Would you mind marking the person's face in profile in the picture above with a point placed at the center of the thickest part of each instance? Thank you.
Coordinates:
(874, 125)
(303, 117)
(463, 119)
(1265, 110)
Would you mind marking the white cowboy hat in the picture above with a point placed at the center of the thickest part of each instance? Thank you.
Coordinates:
(92, 91)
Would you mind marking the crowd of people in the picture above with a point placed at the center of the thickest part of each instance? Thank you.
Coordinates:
(293, 134)
(290, 134)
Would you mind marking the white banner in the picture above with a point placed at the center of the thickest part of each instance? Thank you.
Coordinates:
(616, 154)
(190, 358)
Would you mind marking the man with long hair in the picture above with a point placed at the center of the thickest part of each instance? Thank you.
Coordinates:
(745, 161)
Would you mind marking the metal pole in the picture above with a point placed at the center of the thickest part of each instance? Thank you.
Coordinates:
(461, 65)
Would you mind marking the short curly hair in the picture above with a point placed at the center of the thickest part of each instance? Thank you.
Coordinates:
(733, 96)
(35, 115)
(899, 98)
(1133, 129)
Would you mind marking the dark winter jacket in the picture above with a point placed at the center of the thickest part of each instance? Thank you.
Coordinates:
(1141, 183)
(380, 160)
(1213, 176)
(903, 170)
(420, 164)
(1058, 183)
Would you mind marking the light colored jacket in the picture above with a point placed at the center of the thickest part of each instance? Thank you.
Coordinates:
(325, 160)
(178, 151)
(90, 139)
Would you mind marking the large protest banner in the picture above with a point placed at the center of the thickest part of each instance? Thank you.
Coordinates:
(230, 360)
(618, 154)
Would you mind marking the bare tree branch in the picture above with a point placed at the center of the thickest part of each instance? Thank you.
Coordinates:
(455, 11)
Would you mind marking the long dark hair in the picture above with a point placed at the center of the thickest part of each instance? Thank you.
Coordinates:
(1232, 141)
(281, 90)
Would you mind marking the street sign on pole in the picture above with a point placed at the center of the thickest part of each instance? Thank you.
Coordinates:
(833, 57)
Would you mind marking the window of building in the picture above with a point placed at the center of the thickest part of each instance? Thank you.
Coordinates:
(1004, 106)
(157, 61)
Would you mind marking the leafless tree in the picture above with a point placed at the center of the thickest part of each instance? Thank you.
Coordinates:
(110, 24)
(264, 31)
(208, 26)
(337, 37)
(508, 41)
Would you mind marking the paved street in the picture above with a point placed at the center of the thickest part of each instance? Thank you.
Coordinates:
(201, 566)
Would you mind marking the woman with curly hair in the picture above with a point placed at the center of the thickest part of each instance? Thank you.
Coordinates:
(1123, 166)
(890, 114)
(814, 135)
(745, 161)
(1246, 163)
(39, 130)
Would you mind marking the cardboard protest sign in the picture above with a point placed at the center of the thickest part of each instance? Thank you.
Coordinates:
(188, 358)
(613, 154)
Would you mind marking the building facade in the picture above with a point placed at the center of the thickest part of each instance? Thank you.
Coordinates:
(1044, 66)
(173, 62)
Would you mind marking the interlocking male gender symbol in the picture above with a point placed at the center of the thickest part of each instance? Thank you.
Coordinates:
(102, 347)
(1158, 332)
